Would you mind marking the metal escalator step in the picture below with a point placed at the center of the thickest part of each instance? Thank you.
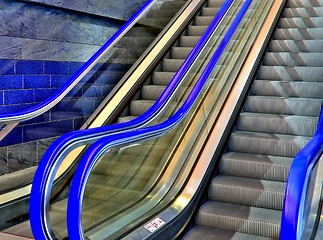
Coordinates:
(206, 233)
(296, 46)
(209, 11)
(162, 78)
(126, 119)
(298, 34)
(215, 3)
(196, 30)
(301, 3)
(247, 191)
(265, 143)
(244, 219)
(172, 65)
(203, 20)
(188, 41)
(277, 124)
(305, 22)
(180, 52)
(282, 105)
(138, 107)
(287, 89)
(303, 12)
(152, 92)
(267, 167)
(293, 59)
(297, 73)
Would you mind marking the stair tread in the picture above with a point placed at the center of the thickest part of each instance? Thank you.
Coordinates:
(207, 233)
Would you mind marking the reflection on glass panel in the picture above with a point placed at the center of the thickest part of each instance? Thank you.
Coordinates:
(131, 180)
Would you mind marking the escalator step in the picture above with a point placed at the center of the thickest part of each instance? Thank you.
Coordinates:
(277, 124)
(303, 12)
(265, 143)
(282, 105)
(203, 20)
(248, 192)
(304, 22)
(293, 59)
(152, 92)
(249, 220)
(308, 74)
(301, 3)
(256, 166)
(298, 34)
(180, 52)
(206, 233)
(162, 78)
(287, 89)
(215, 3)
(172, 65)
(209, 11)
(296, 46)
(138, 107)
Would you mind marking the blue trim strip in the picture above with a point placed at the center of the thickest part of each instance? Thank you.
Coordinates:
(74, 210)
(52, 158)
(292, 224)
(10, 117)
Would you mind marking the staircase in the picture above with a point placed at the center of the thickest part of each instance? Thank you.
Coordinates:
(279, 117)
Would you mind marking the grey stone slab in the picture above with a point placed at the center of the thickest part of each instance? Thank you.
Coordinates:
(3, 161)
(10, 48)
(22, 156)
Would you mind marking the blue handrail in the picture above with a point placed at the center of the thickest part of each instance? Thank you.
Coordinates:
(92, 155)
(69, 84)
(48, 166)
(292, 224)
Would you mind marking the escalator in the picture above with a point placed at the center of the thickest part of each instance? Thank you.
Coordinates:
(169, 65)
(279, 117)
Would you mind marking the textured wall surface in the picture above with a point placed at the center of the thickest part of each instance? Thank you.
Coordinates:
(40, 48)
(109, 8)
(34, 32)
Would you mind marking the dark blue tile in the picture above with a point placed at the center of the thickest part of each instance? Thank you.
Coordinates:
(91, 91)
(7, 67)
(76, 92)
(29, 67)
(56, 68)
(81, 106)
(10, 82)
(59, 80)
(73, 67)
(19, 96)
(105, 90)
(36, 81)
(46, 130)
(43, 94)
(1, 98)
(14, 137)
(78, 122)
(15, 108)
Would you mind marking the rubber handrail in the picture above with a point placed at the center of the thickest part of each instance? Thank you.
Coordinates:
(49, 164)
(292, 224)
(77, 77)
(92, 155)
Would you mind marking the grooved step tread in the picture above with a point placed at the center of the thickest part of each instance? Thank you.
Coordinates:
(296, 46)
(283, 105)
(266, 143)
(247, 191)
(205, 233)
(277, 124)
(275, 168)
(232, 217)
(287, 88)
